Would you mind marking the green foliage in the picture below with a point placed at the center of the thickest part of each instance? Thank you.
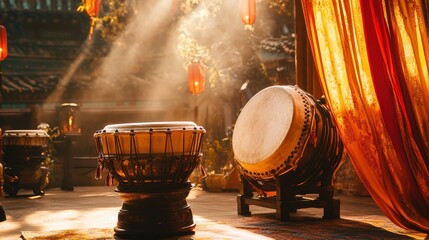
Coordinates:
(218, 156)
(113, 19)
(285, 7)
(49, 152)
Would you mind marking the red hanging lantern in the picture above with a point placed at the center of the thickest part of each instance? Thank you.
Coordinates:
(3, 43)
(175, 8)
(196, 78)
(92, 7)
(248, 12)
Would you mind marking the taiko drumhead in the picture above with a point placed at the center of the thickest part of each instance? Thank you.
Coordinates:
(271, 131)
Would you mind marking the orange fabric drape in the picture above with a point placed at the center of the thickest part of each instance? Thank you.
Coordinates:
(372, 58)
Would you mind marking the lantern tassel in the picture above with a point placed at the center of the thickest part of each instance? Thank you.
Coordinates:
(108, 181)
(203, 171)
(249, 27)
(91, 29)
(98, 172)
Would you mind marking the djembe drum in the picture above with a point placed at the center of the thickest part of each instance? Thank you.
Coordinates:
(284, 137)
(151, 163)
(23, 154)
(2, 213)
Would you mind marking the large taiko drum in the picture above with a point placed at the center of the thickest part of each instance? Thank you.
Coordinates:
(151, 161)
(23, 154)
(284, 132)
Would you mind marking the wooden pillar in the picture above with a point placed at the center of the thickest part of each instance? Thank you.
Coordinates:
(74, 4)
(64, 5)
(54, 5)
(67, 183)
(306, 74)
(32, 4)
(19, 4)
(43, 5)
(6, 4)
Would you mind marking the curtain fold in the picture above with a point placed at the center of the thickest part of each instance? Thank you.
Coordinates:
(372, 60)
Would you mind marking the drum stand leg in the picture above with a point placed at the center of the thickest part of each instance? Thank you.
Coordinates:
(331, 208)
(245, 192)
(284, 200)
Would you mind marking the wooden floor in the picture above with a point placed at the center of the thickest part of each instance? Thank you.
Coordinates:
(97, 207)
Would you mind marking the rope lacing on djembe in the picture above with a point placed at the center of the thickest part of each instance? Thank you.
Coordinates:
(100, 163)
(137, 168)
(120, 157)
(169, 160)
(177, 177)
(197, 150)
(150, 160)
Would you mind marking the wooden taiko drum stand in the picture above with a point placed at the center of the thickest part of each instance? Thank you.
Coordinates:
(289, 199)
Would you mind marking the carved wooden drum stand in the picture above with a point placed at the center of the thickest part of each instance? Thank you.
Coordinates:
(286, 143)
(151, 163)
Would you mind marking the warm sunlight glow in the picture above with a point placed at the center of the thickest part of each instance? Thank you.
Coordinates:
(34, 197)
(76, 218)
(70, 123)
(11, 225)
(224, 231)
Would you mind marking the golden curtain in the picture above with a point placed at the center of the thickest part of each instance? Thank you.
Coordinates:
(372, 58)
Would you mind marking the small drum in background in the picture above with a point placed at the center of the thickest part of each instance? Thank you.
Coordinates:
(151, 162)
(1, 181)
(23, 154)
(1, 169)
(282, 132)
(27, 138)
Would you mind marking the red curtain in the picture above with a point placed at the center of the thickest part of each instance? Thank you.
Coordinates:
(372, 60)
